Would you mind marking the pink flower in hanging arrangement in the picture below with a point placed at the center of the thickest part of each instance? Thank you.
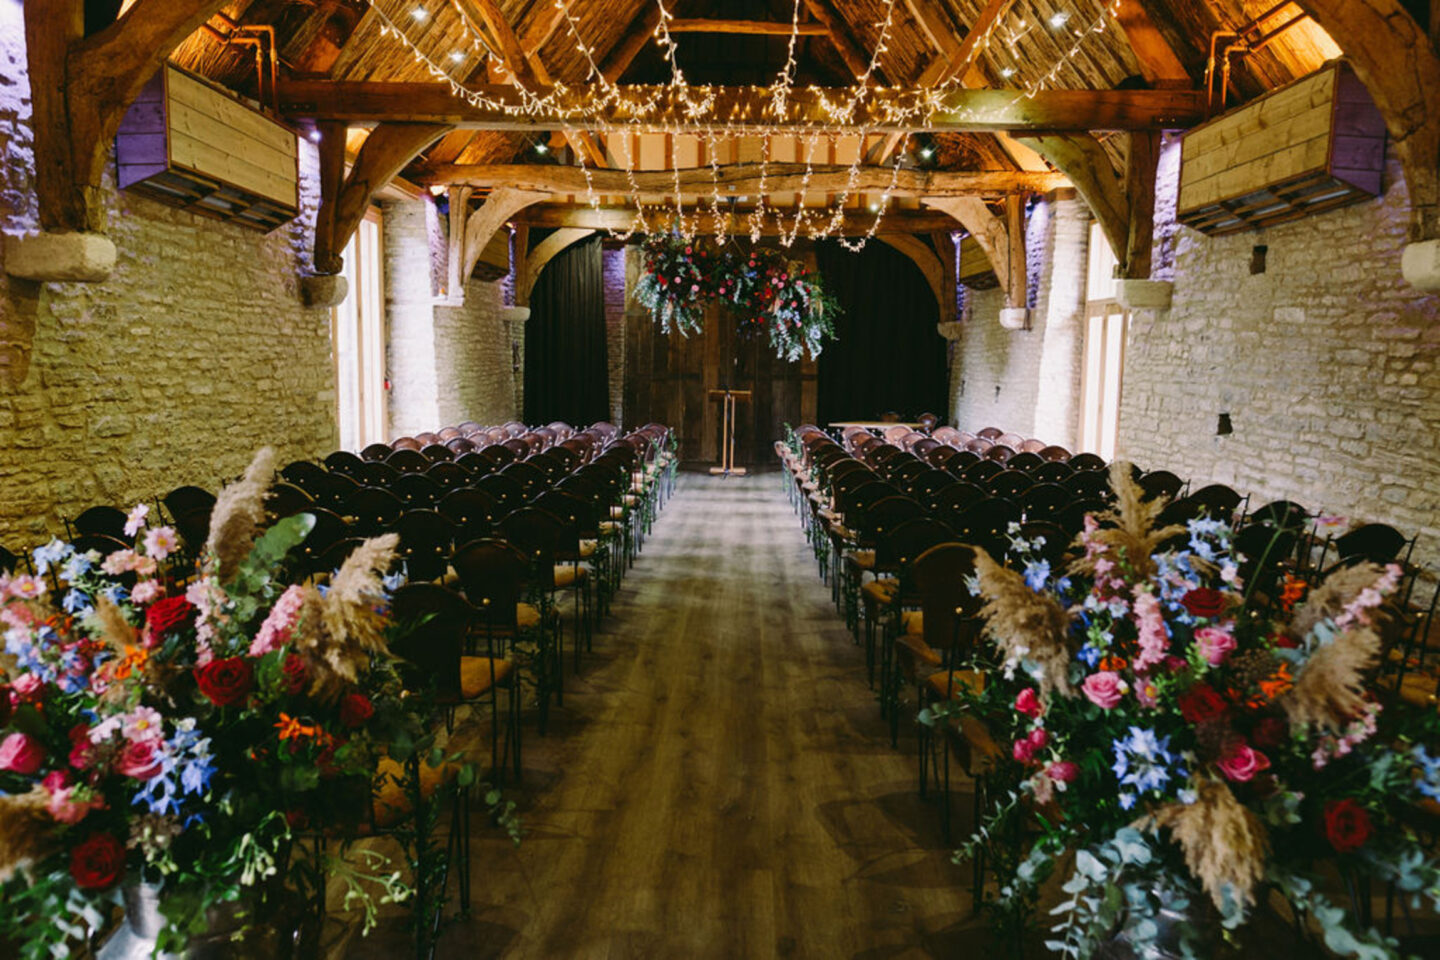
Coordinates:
(1242, 762)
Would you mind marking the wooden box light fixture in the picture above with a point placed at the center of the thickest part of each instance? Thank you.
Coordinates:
(1316, 144)
(186, 144)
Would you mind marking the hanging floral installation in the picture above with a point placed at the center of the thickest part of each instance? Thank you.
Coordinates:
(761, 289)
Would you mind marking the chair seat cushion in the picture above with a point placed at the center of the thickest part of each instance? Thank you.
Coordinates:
(920, 650)
(880, 591)
(588, 548)
(527, 616)
(864, 559)
(608, 528)
(479, 674)
(617, 512)
(567, 575)
(943, 684)
(390, 803)
(631, 500)
(913, 622)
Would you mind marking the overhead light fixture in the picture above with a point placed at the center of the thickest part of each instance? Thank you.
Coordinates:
(456, 56)
(927, 152)
(874, 207)
(1008, 72)
(541, 148)
(437, 189)
(1059, 19)
(419, 13)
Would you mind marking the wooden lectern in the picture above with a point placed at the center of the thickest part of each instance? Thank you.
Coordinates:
(729, 398)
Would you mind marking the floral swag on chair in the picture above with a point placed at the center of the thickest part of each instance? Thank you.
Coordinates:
(1194, 738)
(761, 288)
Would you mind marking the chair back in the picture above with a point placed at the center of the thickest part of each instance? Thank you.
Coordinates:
(372, 510)
(103, 521)
(407, 460)
(433, 625)
(343, 461)
(493, 573)
(376, 452)
(425, 540)
(951, 613)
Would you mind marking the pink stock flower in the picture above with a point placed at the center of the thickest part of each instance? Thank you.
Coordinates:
(136, 519)
(1028, 703)
(1150, 623)
(26, 587)
(1242, 762)
(127, 561)
(275, 631)
(142, 724)
(21, 754)
(140, 759)
(27, 687)
(1215, 644)
(1105, 689)
(1023, 751)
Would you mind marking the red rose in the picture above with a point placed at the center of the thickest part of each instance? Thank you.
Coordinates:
(80, 746)
(1204, 602)
(168, 614)
(22, 754)
(98, 862)
(1201, 704)
(355, 709)
(294, 674)
(1347, 825)
(225, 682)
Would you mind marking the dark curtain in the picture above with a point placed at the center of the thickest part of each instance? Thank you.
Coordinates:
(566, 374)
(887, 355)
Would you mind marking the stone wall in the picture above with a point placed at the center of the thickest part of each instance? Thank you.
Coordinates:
(196, 352)
(620, 266)
(1326, 363)
(1028, 381)
(472, 359)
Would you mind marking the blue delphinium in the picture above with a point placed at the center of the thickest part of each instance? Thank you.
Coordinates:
(1429, 782)
(76, 567)
(1144, 761)
(1037, 574)
(1206, 535)
(1090, 654)
(52, 553)
(186, 767)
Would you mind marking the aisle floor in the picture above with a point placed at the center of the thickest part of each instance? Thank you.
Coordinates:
(719, 782)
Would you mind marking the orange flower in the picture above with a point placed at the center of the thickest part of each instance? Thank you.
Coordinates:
(1277, 684)
(1113, 664)
(292, 728)
(1293, 591)
(133, 662)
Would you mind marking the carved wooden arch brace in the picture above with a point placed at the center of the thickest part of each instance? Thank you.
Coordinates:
(500, 206)
(384, 154)
(1003, 243)
(1399, 64)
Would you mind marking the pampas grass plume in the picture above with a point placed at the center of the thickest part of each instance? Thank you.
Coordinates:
(25, 829)
(1225, 844)
(1025, 623)
(238, 514)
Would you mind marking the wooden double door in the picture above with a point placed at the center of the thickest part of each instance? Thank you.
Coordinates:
(668, 379)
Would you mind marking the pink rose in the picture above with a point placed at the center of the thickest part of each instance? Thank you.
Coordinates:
(21, 754)
(1105, 689)
(1022, 751)
(62, 805)
(140, 760)
(1242, 762)
(1215, 644)
(1038, 738)
(1062, 771)
(27, 687)
(1028, 703)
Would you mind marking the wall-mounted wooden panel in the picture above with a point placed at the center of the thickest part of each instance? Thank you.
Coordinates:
(1313, 145)
(190, 145)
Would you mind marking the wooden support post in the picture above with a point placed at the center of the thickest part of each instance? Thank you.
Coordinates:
(332, 182)
(1140, 166)
(499, 207)
(459, 198)
(1017, 293)
(950, 282)
(1088, 166)
(521, 246)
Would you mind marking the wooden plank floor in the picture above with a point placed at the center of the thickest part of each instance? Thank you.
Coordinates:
(719, 782)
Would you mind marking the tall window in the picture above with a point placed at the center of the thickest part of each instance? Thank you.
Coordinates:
(1107, 327)
(358, 333)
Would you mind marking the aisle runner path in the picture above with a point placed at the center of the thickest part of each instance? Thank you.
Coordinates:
(719, 783)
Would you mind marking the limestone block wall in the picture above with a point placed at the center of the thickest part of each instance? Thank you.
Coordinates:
(621, 266)
(472, 360)
(1326, 363)
(1028, 381)
(193, 354)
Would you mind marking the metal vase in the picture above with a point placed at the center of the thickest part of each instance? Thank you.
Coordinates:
(136, 937)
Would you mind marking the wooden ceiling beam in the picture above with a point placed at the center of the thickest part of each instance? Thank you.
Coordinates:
(481, 225)
(1158, 61)
(993, 235)
(545, 251)
(744, 178)
(761, 28)
(959, 110)
(631, 42)
(839, 30)
(1085, 161)
(854, 224)
(512, 54)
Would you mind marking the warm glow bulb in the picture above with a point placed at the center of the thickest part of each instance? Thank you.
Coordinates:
(419, 13)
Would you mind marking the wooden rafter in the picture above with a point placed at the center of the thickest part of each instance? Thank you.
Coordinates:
(81, 88)
(388, 149)
(1158, 62)
(1396, 59)
(628, 47)
(1141, 161)
(745, 178)
(958, 111)
(845, 44)
(545, 251)
(994, 236)
(481, 225)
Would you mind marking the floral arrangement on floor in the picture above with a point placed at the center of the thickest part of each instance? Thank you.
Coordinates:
(185, 735)
(763, 289)
(1192, 749)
